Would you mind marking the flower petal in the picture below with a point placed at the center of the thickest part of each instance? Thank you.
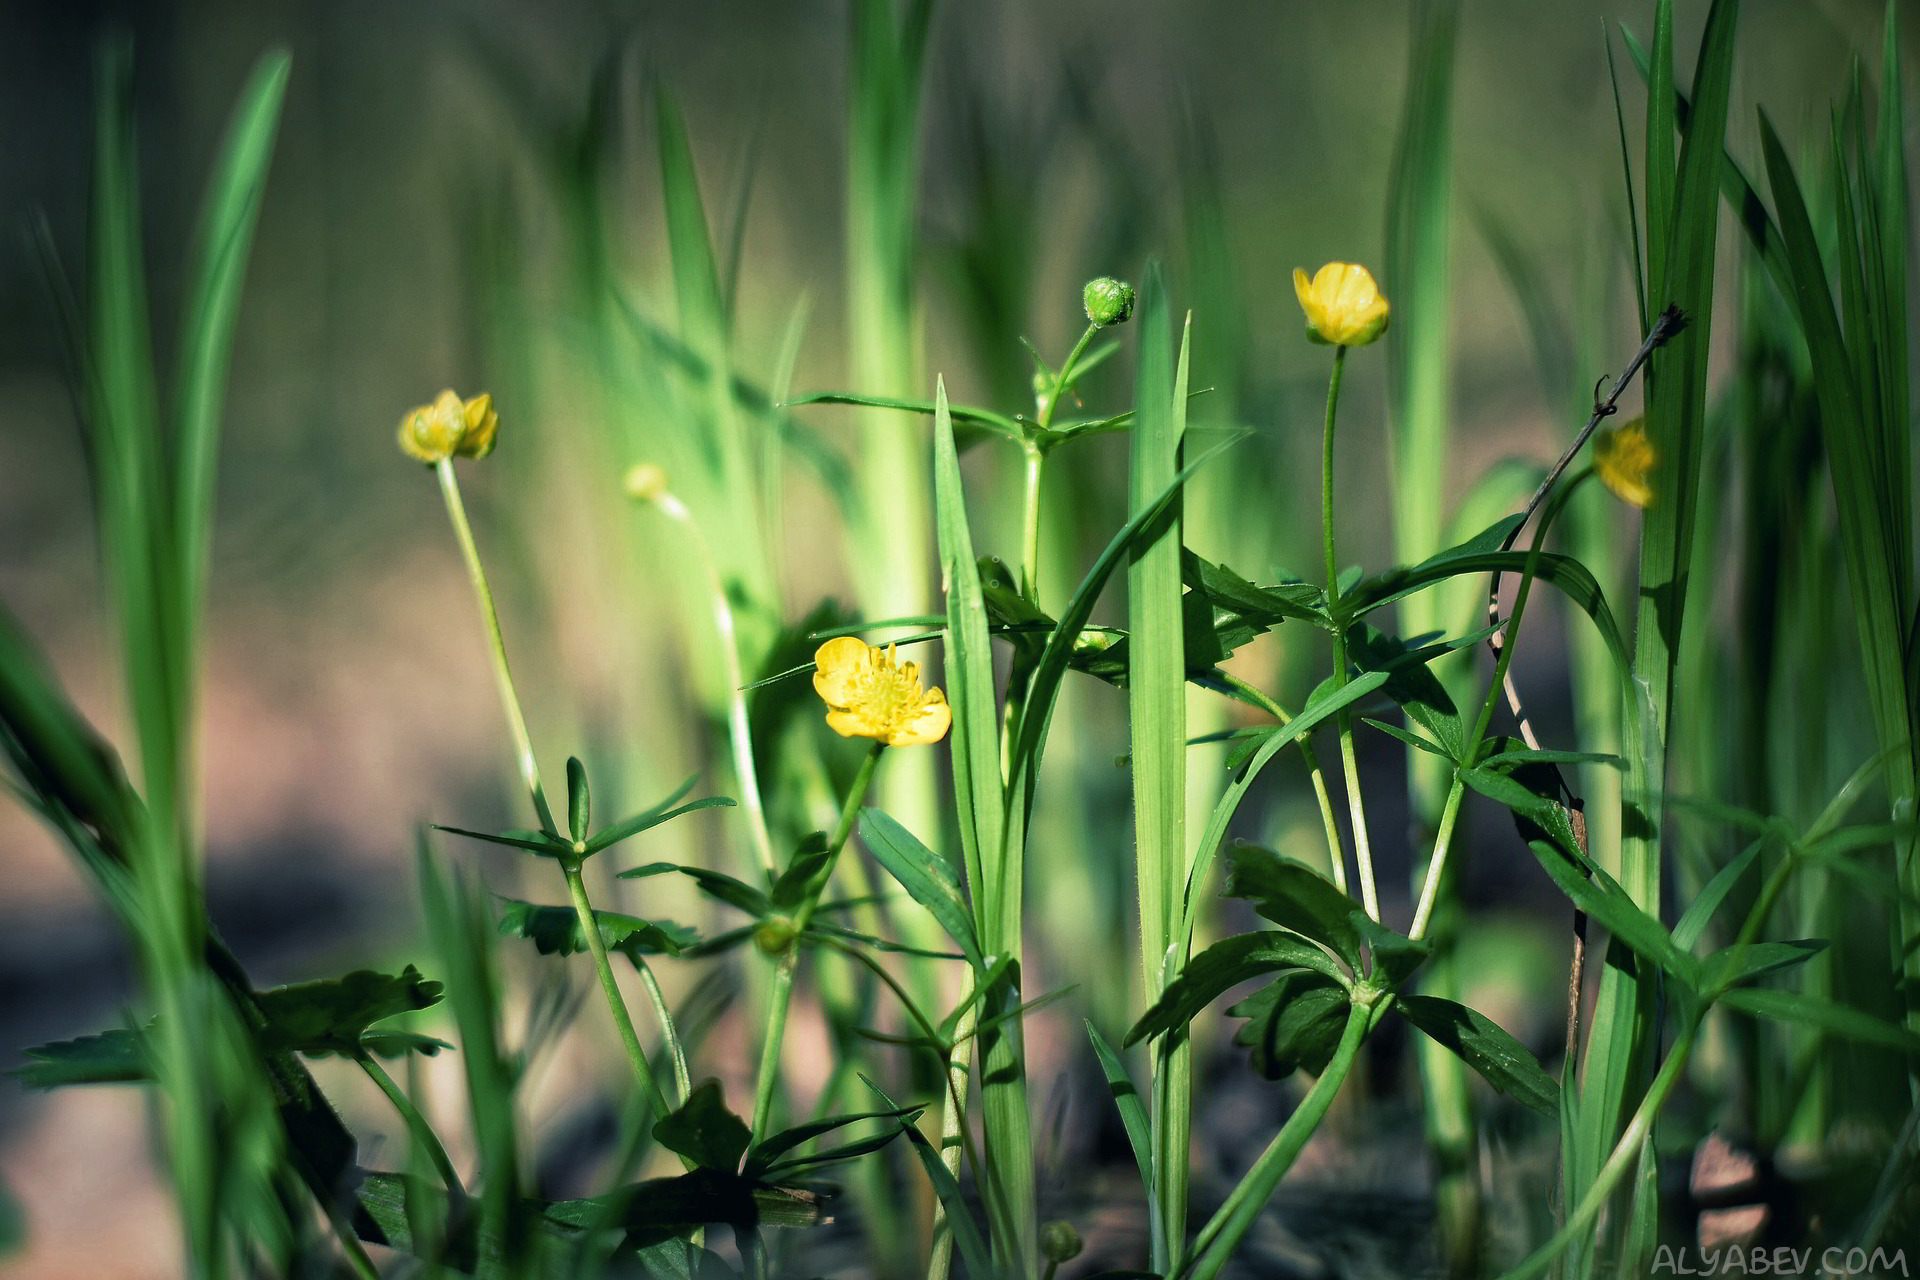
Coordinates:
(928, 725)
(840, 670)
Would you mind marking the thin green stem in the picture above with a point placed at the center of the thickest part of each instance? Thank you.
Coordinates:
(739, 729)
(1437, 861)
(1336, 858)
(1064, 379)
(1222, 1234)
(416, 1124)
(1030, 524)
(1343, 722)
(782, 994)
(1625, 1155)
(509, 697)
(682, 1079)
(616, 1003)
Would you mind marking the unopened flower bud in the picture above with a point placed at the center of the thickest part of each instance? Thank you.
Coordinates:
(450, 428)
(1343, 304)
(1059, 1242)
(775, 936)
(1109, 301)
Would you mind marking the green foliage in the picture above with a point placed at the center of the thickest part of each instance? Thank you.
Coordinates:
(557, 931)
(704, 1131)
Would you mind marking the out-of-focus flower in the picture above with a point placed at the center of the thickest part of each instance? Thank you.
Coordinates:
(1624, 460)
(450, 428)
(1108, 301)
(1344, 306)
(1059, 1242)
(646, 481)
(869, 695)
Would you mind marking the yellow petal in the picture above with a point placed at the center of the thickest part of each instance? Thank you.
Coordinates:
(840, 669)
(480, 427)
(853, 724)
(928, 725)
(1303, 290)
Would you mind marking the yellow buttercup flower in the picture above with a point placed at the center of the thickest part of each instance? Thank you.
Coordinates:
(1343, 304)
(450, 428)
(869, 695)
(1624, 459)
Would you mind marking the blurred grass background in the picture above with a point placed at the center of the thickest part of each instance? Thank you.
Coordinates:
(418, 232)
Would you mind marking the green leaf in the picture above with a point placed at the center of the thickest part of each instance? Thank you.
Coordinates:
(557, 931)
(704, 1131)
(1224, 965)
(112, 1057)
(1293, 1024)
(716, 884)
(926, 876)
(1502, 1061)
(1740, 964)
(651, 818)
(579, 800)
(398, 1044)
(1601, 897)
(960, 1219)
(809, 859)
(1127, 1100)
(1296, 897)
(1395, 956)
(1822, 1015)
(545, 846)
(998, 423)
(331, 1016)
(1693, 922)
(767, 1152)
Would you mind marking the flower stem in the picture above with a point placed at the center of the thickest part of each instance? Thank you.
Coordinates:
(1336, 860)
(510, 699)
(616, 1003)
(416, 1124)
(1223, 1233)
(782, 994)
(1356, 803)
(1030, 525)
(739, 730)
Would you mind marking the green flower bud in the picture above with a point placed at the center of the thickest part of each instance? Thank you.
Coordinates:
(1059, 1242)
(1109, 301)
(774, 936)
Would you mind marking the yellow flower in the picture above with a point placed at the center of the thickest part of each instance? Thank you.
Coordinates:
(450, 428)
(869, 695)
(1343, 305)
(1623, 459)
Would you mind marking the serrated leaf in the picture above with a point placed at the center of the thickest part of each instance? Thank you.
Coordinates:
(1484, 1045)
(1224, 965)
(1293, 1024)
(113, 1057)
(704, 1131)
(330, 1016)
(1296, 897)
(557, 931)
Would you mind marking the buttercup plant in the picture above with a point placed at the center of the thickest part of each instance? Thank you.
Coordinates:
(898, 950)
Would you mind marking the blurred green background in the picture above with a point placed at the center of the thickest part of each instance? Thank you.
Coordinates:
(418, 233)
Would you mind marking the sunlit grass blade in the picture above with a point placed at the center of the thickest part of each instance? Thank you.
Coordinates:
(1157, 733)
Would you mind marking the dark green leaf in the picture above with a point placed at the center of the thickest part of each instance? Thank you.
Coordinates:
(717, 884)
(1296, 897)
(704, 1131)
(331, 1016)
(579, 799)
(1742, 964)
(1502, 1061)
(797, 882)
(1224, 965)
(1293, 1024)
(1395, 956)
(1126, 1098)
(112, 1057)
(768, 1150)
(557, 931)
